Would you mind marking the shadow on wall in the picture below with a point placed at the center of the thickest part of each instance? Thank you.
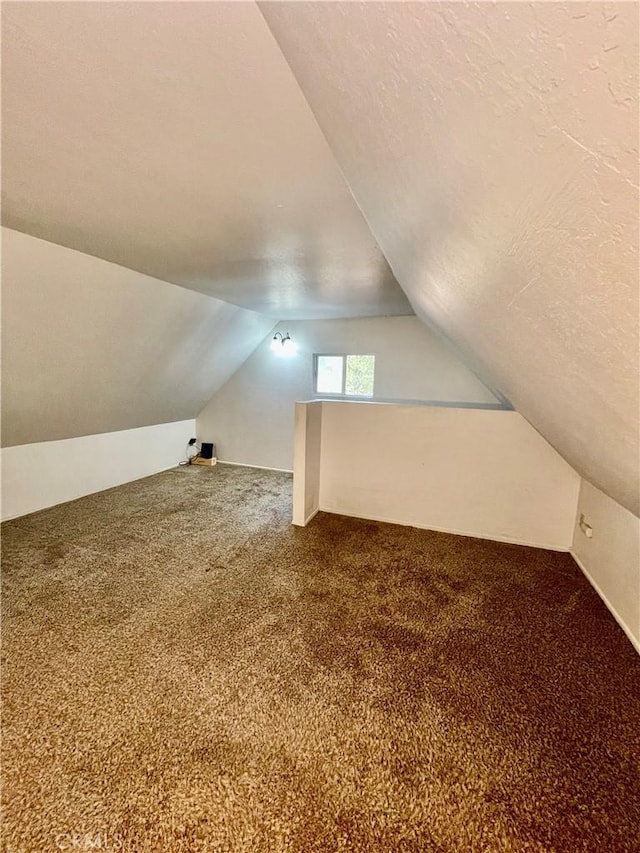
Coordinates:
(476, 472)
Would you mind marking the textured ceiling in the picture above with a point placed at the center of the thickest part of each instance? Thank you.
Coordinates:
(172, 138)
(492, 148)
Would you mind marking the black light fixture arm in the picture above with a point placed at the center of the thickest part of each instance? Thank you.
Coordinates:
(282, 337)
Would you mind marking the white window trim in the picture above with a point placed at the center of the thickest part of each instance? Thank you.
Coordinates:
(341, 395)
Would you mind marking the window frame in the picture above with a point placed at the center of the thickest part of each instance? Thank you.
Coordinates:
(341, 395)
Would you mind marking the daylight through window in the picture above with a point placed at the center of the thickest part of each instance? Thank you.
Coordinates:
(344, 375)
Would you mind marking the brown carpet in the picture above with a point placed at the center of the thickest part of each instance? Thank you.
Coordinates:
(185, 671)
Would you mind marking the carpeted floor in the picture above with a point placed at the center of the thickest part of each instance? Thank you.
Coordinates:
(185, 671)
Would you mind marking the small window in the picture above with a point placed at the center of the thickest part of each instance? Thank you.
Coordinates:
(344, 375)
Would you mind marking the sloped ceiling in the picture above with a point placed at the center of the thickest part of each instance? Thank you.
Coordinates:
(492, 148)
(172, 138)
(91, 347)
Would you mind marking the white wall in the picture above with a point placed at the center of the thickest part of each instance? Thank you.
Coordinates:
(473, 472)
(611, 558)
(35, 476)
(251, 418)
(306, 463)
(91, 347)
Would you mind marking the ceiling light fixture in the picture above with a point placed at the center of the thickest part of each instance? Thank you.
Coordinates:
(282, 344)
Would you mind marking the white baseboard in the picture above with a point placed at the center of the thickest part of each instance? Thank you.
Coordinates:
(45, 474)
(83, 494)
(311, 516)
(634, 641)
(258, 467)
(469, 533)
